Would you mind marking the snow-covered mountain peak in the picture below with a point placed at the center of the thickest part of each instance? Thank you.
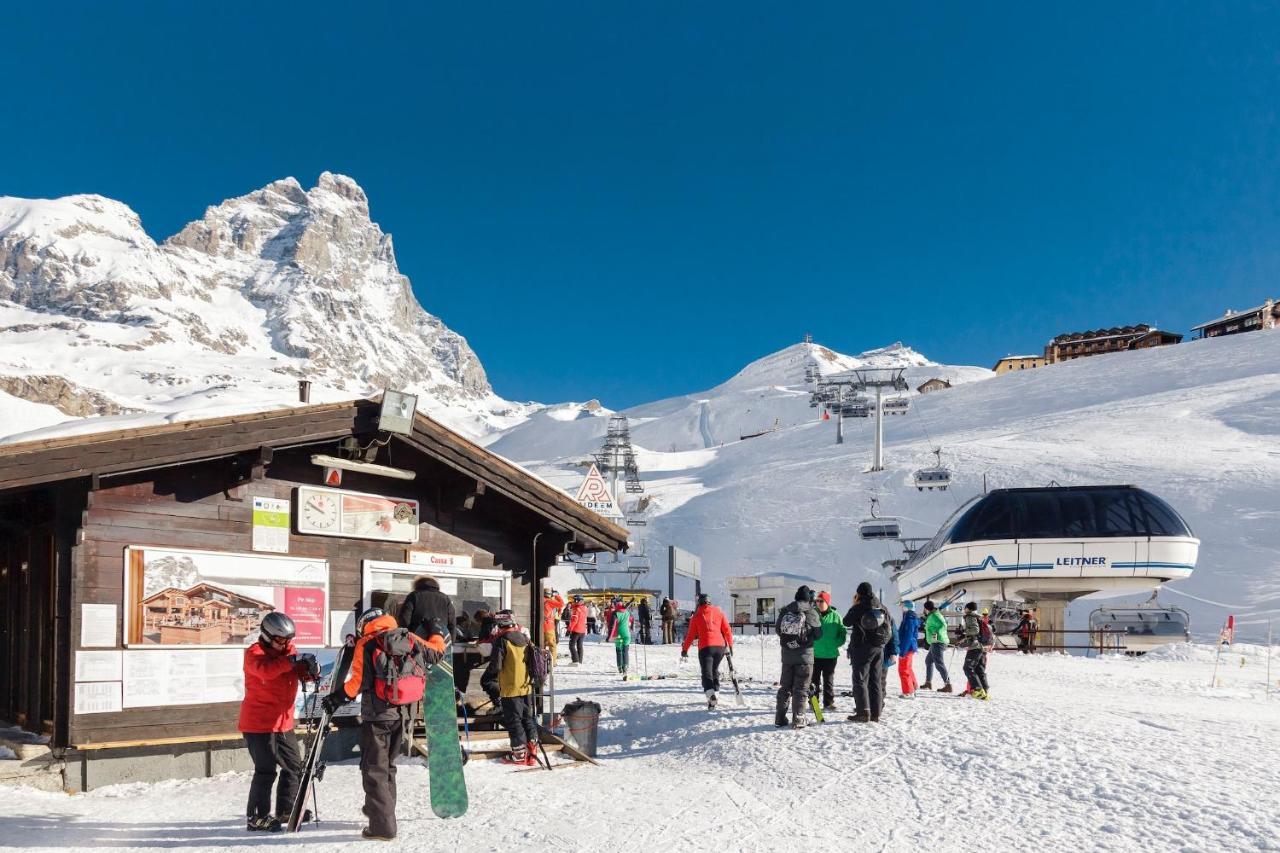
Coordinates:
(302, 281)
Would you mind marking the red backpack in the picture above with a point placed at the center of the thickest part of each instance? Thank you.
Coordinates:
(399, 667)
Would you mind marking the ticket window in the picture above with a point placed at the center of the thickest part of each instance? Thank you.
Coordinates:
(386, 585)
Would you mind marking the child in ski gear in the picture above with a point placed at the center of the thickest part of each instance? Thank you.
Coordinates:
(272, 671)
(668, 614)
(381, 717)
(870, 630)
(577, 628)
(935, 636)
(709, 628)
(425, 603)
(552, 604)
(826, 652)
(620, 630)
(908, 642)
(974, 668)
(509, 681)
(798, 628)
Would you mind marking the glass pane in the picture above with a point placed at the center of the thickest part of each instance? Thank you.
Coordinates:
(1040, 519)
(1115, 513)
(1162, 519)
(1076, 512)
(991, 519)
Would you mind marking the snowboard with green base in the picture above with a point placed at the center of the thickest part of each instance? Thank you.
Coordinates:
(444, 751)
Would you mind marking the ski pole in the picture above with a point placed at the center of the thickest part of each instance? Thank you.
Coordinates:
(1268, 691)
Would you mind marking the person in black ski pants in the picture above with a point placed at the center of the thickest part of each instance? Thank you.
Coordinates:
(869, 630)
(272, 671)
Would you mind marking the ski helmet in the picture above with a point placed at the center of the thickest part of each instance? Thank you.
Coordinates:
(504, 619)
(276, 625)
(367, 617)
(703, 599)
(577, 598)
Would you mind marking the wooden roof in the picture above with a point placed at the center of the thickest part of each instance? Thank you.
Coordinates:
(121, 451)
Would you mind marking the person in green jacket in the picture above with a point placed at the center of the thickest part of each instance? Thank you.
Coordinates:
(935, 636)
(826, 651)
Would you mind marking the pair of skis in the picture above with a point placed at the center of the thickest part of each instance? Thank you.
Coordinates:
(444, 748)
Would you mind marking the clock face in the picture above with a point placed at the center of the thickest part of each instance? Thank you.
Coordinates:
(320, 511)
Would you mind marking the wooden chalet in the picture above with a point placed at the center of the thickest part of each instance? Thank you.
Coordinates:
(107, 666)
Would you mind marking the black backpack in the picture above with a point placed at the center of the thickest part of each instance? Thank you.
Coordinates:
(875, 626)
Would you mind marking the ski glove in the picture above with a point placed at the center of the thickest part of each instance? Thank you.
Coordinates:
(684, 656)
(307, 668)
(333, 702)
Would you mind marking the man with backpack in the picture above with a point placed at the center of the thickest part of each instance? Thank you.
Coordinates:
(709, 628)
(577, 628)
(272, 671)
(908, 642)
(798, 628)
(510, 680)
(1025, 633)
(935, 635)
(668, 614)
(826, 652)
(389, 673)
(975, 668)
(870, 630)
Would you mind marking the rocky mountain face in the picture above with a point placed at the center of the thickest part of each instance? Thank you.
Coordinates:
(280, 284)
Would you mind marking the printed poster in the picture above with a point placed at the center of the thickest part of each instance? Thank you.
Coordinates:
(271, 525)
(191, 598)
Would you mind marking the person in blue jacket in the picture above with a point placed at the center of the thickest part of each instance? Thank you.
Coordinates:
(908, 643)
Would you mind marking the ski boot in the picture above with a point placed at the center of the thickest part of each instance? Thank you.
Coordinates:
(860, 717)
(780, 722)
(981, 695)
(519, 756)
(799, 722)
(711, 700)
(264, 823)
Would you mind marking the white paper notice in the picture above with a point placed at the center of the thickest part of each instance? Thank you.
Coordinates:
(449, 586)
(99, 666)
(98, 625)
(341, 623)
(491, 589)
(99, 697)
(182, 677)
(271, 525)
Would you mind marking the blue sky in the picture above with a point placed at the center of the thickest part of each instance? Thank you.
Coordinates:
(700, 183)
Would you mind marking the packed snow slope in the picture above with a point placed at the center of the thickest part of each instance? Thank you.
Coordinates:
(1196, 423)
(1070, 754)
(96, 318)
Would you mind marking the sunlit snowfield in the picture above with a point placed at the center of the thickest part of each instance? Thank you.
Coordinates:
(1071, 754)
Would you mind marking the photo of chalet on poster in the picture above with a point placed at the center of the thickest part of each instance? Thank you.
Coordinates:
(208, 598)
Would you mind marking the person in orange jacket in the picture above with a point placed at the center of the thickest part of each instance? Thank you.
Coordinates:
(709, 628)
(381, 723)
(577, 628)
(552, 604)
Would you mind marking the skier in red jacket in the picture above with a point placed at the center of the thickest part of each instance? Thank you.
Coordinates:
(272, 671)
(709, 628)
(577, 628)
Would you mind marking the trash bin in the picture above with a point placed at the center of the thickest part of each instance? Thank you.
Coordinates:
(581, 724)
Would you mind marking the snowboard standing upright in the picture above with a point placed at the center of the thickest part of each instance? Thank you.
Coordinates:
(444, 750)
(312, 767)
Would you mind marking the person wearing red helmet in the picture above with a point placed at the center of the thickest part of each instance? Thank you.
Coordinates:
(709, 628)
(826, 652)
(273, 669)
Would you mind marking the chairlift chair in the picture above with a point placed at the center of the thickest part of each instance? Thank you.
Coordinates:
(936, 477)
(879, 527)
(896, 405)
(1145, 626)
